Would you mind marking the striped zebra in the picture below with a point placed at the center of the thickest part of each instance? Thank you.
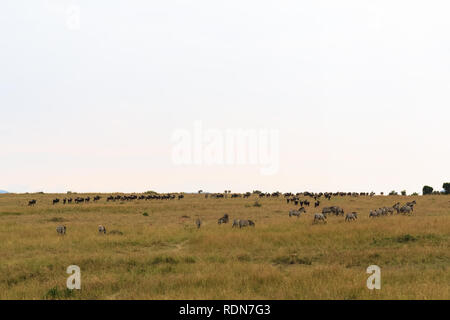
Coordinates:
(224, 219)
(198, 223)
(235, 223)
(101, 229)
(351, 216)
(245, 223)
(319, 217)
(406, 210)
(61, 230)
(297, 212)
(373, 214)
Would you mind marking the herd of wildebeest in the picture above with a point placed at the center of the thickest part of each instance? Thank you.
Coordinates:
(320, 217)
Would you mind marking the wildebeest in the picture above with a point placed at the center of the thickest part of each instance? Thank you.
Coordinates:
(198, 223)
(32, 202)
(244, 223)
(101, 229)
(55, 201)
(351, 216)
(316, 204)
(61, 230)
(224, 219)
(320, 217)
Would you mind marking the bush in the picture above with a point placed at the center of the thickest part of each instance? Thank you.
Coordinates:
(257, 204)
(427, 190)
(446, 187)
(403, 193)
(393, 193)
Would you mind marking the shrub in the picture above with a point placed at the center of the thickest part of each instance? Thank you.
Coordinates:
(403, 193)
(257, 204)
(393, 193)
(427, 190)
(446, 187)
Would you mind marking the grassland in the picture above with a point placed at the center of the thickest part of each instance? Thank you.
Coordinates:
(162, 255)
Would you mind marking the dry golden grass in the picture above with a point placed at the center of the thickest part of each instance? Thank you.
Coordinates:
(164, 256)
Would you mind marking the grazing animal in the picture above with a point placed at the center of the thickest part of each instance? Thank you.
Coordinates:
(224, 219)
(101, 229)
(373, 214)
(55, 201)
(61, 230)
(198, 223)
(406, 210)
(235, 223)
(245, 223)
(320, 217)
(32, 202)
(351, 216)
(297, 212)
(316, 204)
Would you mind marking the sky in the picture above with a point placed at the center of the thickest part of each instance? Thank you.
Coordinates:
(93, 94)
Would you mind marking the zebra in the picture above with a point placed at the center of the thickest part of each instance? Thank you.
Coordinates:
(411, 204)
(373, 214)
(245, 223)
(101, 229)
(61, 230)
(224, 219)
(397, 207)
(351, 216)
(198, 223)
(297, 212)
(320, 217)
(406, 209)
(235, 223)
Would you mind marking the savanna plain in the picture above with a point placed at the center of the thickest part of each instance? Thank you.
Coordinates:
(154, 250)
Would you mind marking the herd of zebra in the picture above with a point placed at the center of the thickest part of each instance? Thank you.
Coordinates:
(236, 222)
(408, 208)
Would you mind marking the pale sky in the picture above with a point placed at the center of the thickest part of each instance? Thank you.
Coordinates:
(359, 92)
